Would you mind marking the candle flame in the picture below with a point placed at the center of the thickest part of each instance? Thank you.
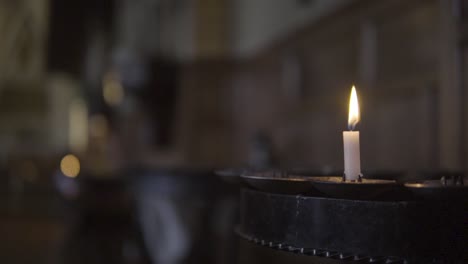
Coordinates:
(354, 115)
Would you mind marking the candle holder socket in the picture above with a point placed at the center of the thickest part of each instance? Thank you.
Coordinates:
(447, 188)
(360, 189)
(359, 179)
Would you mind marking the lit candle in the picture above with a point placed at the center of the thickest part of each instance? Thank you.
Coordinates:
(352, 156)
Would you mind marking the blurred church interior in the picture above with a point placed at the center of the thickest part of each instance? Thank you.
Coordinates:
(98, 98)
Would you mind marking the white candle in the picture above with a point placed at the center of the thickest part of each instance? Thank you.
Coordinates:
(352, 156)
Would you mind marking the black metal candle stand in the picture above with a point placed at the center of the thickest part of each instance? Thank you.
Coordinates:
(372, 221)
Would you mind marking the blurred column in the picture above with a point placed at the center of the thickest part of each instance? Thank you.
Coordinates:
(213, 28)
(451, 100)
(463, 6)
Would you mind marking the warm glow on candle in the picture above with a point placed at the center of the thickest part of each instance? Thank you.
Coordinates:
(354, 116)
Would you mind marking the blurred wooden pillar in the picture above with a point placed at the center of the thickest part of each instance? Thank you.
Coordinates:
(463, 52)
(450, 119)
(205, 126)
(212, 28)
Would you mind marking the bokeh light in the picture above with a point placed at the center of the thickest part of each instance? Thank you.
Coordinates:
(70, 166)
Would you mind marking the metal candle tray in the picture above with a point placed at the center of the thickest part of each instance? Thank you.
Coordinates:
(373, 231)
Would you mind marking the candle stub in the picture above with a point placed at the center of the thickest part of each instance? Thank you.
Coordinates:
(352, 155)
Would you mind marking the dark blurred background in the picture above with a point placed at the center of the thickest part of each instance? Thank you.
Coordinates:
(113, 113)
